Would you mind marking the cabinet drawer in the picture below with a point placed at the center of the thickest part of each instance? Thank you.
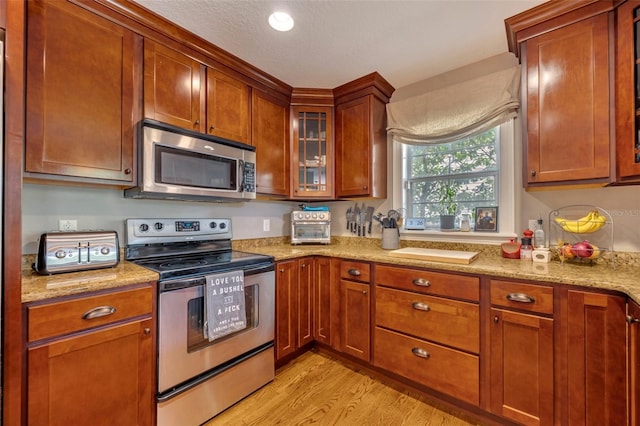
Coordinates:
(355, 271)
(64, 317)
(446, 370)
(427, 282)
(445, 321)
(528, 297)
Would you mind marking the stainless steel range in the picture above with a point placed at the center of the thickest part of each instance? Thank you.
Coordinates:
(215, 315)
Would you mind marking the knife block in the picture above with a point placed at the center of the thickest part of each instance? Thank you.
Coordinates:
(390, 238)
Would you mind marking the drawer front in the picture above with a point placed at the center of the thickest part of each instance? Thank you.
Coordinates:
(445, 321)
(58, 318)
(427, 282)
(528, 297)
(446, 370)
(355, 271)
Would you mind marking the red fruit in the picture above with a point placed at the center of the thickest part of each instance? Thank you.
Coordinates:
(583, 249)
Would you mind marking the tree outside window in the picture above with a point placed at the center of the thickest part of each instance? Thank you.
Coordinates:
(470, 165)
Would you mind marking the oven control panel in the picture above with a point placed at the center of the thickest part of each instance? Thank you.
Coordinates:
(155, 230)
(310, 216)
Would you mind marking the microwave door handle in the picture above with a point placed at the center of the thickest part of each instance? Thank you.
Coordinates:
(241, 170)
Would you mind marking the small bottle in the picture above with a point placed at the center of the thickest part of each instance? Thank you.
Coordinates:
(465, 221)
(538, 235)
(526, 250)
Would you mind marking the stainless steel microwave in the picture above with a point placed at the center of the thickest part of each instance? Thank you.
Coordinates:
(179, 164)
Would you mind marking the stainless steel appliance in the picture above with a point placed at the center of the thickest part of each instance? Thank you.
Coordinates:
(310, 227)
(76, 251)
(198, 377)
(175, 163)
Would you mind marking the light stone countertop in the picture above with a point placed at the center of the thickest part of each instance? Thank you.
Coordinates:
(625, 278)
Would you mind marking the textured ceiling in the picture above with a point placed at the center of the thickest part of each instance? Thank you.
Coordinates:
(336, 41)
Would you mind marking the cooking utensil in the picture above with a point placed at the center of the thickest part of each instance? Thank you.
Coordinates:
(369, 217)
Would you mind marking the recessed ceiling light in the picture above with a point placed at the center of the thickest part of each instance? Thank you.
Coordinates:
(281, 21)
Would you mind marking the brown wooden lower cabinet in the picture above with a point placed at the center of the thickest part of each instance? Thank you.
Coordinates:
(596, 358)
(294, 305)
(522, 367)
(322, 300)
(355, 314)
(633, 319)
(100, 375)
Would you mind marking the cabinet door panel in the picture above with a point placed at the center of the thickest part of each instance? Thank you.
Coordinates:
(100, 378)
(173, 87)
(305, 301)
(356, 319)
(270, 130)
(353, 155)
(286, 306)
(522, 367)
(228, 113)
(83, 82)
(322, 300)
(597, 359)
(634, 362)
(568, 103)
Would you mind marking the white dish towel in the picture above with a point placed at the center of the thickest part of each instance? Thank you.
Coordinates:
(224, 304)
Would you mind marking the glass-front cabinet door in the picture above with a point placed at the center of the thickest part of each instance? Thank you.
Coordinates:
(312, 152)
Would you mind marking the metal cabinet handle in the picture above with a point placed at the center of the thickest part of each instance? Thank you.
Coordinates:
(520, 297)
(496, 319)
(127, 171)
(364, 291)
(303, 265)
(100, 311)
(421, 282)
(420, 306)
(632, 320)
(354, 272)
(533, 173)
(281, 269)
(212, 128)
(147, 330)
(197, 122)
(420, 352)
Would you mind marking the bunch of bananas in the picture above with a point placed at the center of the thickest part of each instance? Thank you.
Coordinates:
(585, 225)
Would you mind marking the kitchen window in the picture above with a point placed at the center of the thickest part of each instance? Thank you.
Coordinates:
(481, 167)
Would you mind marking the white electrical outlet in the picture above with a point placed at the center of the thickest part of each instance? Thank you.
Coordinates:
(266, 225)
(532, 224)
(68, 225)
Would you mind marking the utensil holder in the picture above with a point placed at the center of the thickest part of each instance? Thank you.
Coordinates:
(390, 238)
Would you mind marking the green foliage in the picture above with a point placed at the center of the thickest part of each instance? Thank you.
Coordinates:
(446, 197)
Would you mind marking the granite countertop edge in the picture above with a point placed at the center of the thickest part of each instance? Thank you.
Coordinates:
(623, 278)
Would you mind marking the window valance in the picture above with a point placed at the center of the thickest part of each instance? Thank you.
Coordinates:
(456, 111)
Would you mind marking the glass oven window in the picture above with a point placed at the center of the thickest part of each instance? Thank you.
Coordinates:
(179, 167)
(195, 324)
(311, 230)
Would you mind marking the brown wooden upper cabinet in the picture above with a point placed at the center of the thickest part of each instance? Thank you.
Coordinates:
(361, 137)
(270, 136)
(84, 82)
(628, 92)
(565, 50)
(182, 91)
(312, 152)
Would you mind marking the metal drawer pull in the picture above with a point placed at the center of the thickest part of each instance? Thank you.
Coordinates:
(520, 297)
(420, 352)
(420, 306)
(354, 272)
(632, 320)
(421, 282)
(100, 311)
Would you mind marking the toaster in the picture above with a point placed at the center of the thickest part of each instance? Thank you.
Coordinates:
(76, 251)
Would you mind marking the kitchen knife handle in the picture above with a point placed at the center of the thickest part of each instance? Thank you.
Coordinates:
(520, 297)
(100, 311)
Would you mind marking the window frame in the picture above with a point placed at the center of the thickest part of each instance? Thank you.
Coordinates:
(508, 197)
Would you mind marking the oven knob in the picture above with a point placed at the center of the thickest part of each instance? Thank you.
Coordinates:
(158, 226)
(104, 251)
(60, 254)
(223, 225)
(307, 215)
(143, 227)
(212, 225)
(314, 215)
(321, 215)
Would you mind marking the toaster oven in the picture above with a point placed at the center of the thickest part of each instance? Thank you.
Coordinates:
(311, 227)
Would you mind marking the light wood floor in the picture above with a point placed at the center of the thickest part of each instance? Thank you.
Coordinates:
(314, 389)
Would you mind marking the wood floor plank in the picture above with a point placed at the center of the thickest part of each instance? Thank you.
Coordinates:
(314, 389)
